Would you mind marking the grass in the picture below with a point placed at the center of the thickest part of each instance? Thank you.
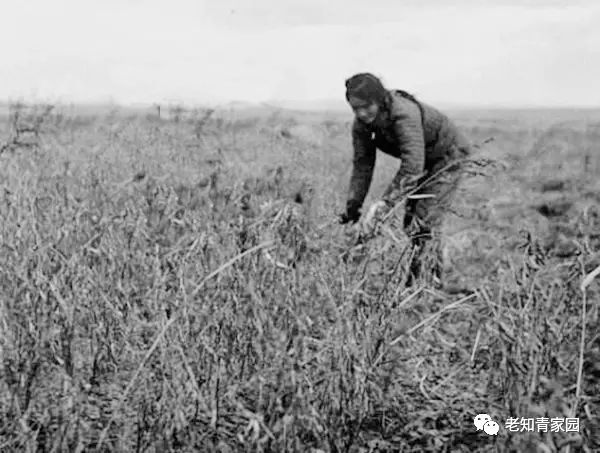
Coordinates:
(164, 290)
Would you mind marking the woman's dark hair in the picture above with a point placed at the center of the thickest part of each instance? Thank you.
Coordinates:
(367, 87)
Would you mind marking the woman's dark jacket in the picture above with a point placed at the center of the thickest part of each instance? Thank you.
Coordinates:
(418, 134)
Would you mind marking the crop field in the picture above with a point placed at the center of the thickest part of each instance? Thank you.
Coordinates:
(181, 284)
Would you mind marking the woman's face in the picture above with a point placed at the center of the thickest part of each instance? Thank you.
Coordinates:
(365, 111)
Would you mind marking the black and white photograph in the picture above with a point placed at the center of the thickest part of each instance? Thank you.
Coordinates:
(300, 226)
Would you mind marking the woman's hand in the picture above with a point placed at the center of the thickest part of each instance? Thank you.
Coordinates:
(374, 215)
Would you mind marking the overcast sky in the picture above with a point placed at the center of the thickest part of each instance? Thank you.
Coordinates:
(510, 53)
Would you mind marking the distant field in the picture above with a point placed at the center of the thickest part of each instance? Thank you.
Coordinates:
(182, 286)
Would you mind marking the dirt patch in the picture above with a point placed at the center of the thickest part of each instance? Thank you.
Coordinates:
(553, 209)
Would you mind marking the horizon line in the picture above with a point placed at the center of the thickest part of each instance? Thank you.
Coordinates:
(292, 104)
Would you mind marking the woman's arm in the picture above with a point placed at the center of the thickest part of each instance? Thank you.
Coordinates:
(363, 167)
(408, 130)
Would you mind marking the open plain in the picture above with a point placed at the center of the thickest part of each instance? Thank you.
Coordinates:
(180, 284)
